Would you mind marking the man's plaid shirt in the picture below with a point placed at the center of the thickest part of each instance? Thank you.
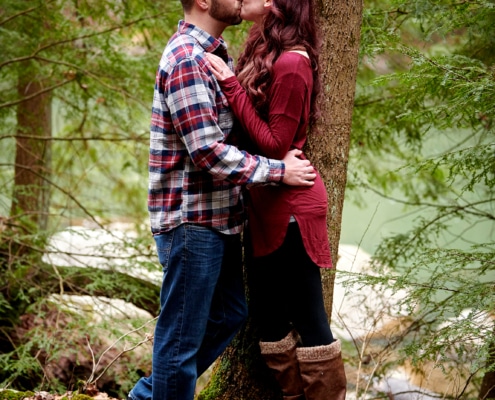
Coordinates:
(194, 174)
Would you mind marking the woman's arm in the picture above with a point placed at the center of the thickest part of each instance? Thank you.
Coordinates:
(288, 96)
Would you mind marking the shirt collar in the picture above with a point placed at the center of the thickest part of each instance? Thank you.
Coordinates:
(205, 40)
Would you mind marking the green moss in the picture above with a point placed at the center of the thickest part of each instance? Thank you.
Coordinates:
(81, 397)
(211, 391)
(214, 386)
(14, 395)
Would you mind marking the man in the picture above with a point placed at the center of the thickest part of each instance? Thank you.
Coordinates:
(196, 210)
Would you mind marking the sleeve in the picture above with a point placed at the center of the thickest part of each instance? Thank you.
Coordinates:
(191, 101)
(275, 137)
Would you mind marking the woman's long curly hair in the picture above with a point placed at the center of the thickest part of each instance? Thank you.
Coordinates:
(289, 25)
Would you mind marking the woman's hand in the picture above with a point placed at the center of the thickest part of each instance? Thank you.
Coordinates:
(218, 67)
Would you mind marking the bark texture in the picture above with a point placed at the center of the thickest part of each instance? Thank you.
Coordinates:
(33, 151)
(328, 149)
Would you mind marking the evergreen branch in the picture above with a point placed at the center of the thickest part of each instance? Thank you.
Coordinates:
(448, 210)
(21, 13)
(72, 78)
(445, 69)
(85, 282)
(140, 137)
(452, 208)
(34, 95)
(100, 119)
(94, 77)
(77, 38)
(96, 282)
(62, 190)
(371, 279)
(397, 11)
(374, 101)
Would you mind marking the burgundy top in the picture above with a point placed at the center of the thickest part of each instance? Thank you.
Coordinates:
(270, 207)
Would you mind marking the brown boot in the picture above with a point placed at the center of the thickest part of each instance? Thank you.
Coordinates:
(281, 359)
(322, 371)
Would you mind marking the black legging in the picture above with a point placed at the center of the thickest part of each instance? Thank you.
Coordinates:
(285, 293)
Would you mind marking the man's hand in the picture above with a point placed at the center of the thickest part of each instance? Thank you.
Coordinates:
(298, 172)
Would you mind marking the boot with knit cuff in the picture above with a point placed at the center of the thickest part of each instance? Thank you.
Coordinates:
(280, 357)
(322, 372)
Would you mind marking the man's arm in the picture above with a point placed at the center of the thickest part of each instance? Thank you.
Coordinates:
(192, 108)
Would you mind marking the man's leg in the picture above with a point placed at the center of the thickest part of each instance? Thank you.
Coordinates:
(191, 257)
(228, 310)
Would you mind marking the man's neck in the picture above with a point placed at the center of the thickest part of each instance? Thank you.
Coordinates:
(205, 22)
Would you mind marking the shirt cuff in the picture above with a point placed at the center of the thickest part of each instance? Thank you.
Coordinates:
(276, 171)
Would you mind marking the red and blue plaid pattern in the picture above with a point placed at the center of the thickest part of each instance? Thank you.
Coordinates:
(194, 173)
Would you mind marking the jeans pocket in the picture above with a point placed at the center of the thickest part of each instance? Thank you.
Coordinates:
(164, 248)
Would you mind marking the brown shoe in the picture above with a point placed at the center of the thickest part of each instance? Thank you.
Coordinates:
(322, 372)
(281, 359)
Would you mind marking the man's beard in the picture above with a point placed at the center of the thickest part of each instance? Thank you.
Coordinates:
(219, 12)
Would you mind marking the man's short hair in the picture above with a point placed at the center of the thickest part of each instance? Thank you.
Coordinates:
(187, 4)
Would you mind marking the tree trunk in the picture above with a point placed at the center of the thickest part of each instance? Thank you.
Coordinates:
(340, 23)
(30, 200)
(240, 373)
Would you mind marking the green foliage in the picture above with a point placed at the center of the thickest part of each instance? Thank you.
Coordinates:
(423, 136)
(13, 395)
(97, 60)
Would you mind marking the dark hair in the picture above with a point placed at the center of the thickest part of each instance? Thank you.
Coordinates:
(187, 4)
(289, 25)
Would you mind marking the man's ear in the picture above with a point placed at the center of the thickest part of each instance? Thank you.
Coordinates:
(203, 4)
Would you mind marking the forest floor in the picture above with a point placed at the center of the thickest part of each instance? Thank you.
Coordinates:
(7, 394)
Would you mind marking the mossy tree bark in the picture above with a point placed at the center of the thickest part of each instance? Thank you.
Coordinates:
(329, 150)
(30, 199)
(240, 373)
(20, 245)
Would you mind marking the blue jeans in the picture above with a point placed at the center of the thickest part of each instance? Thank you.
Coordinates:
(202, 308)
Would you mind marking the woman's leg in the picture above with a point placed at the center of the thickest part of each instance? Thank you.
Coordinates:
(319, 356)
(267, 292)
(269, 309)
(285, 293)
(321, 373)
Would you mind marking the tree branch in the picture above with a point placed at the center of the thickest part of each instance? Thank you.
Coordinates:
(143, 137)
(36, 94)
(74, 39)
(92, 281)
(20, 13)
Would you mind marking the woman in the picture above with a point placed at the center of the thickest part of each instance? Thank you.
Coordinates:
(274, 98)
